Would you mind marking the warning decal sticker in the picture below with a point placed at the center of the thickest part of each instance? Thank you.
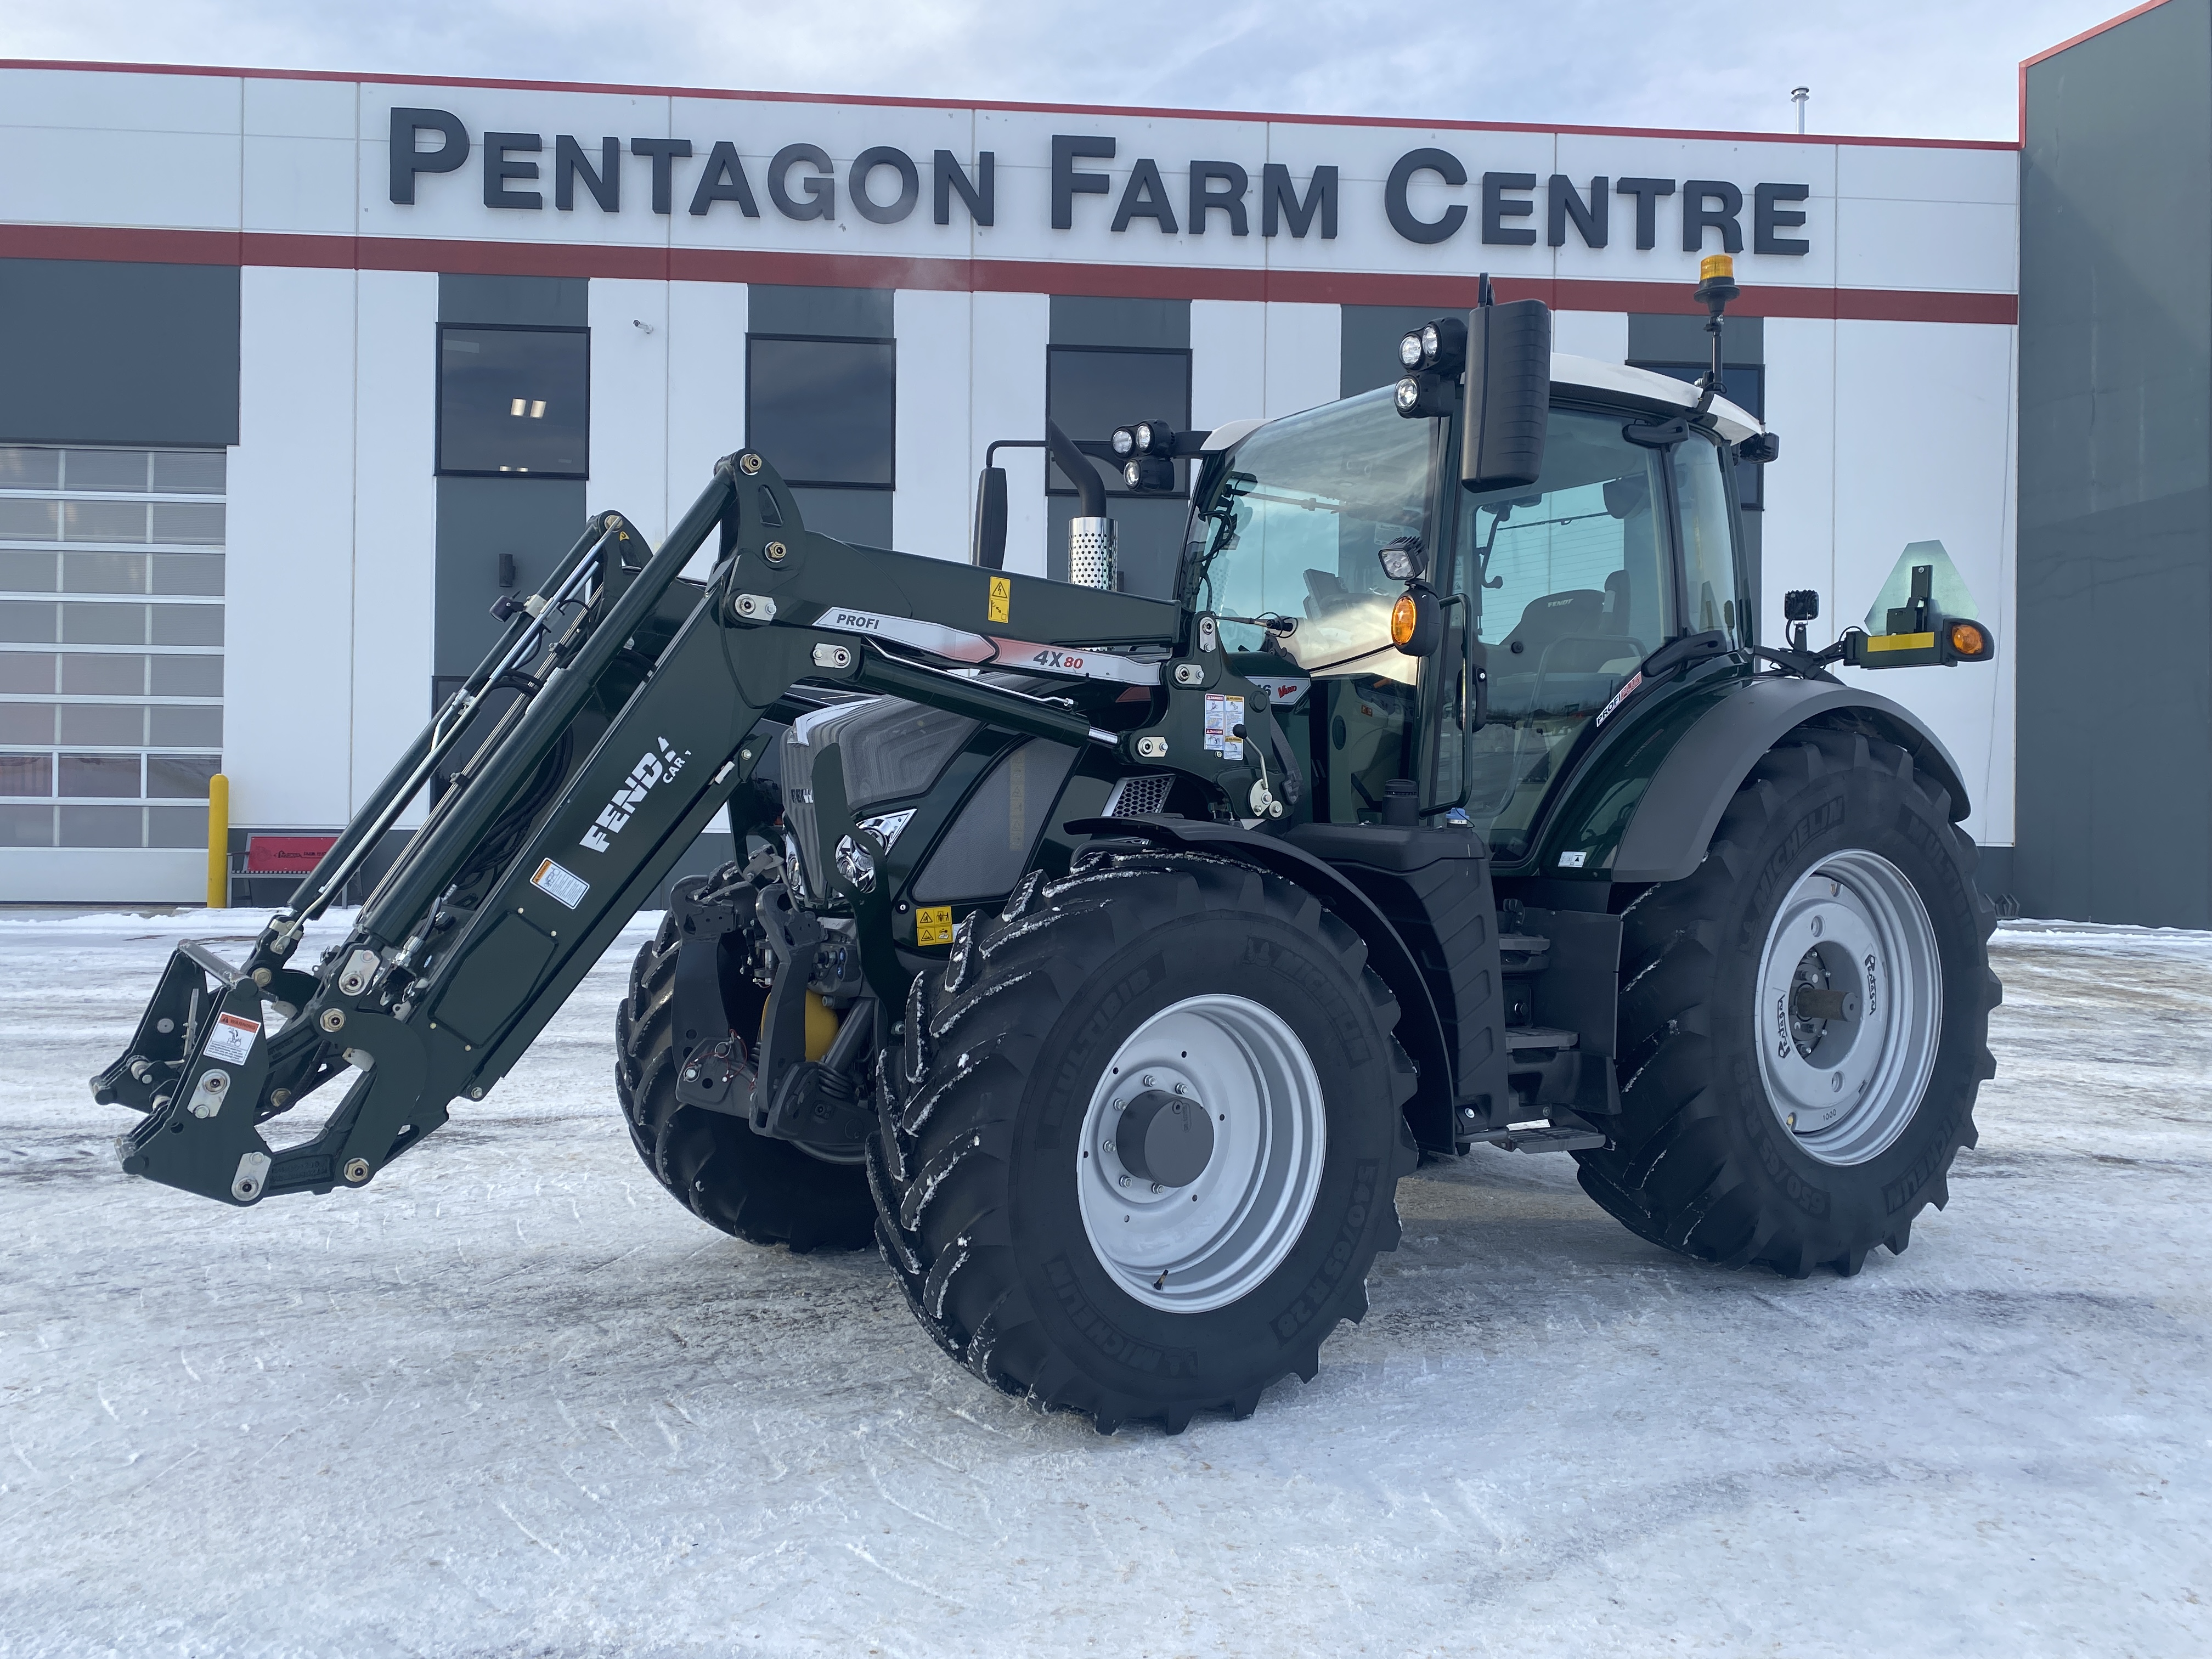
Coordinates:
(230, 1040)
(932, 924)
(1002, 595)
(1223, 716)
(561, 886)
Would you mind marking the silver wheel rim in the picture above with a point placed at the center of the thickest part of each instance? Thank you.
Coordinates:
(1202, 1244)
(1850, 1008)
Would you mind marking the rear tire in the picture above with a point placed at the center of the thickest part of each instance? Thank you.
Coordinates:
(1836, 868)
(997, 1174)
(763, 1191)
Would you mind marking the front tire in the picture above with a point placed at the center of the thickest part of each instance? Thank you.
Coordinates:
(1804, 1021)
(763, 1191)
(1185, 1263)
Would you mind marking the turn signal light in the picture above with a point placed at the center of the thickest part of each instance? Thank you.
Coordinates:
(1967, 639)
(1405, 618)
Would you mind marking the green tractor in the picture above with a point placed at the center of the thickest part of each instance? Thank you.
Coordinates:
(1105, 960)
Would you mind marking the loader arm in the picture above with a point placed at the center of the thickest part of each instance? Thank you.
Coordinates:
(638, 711)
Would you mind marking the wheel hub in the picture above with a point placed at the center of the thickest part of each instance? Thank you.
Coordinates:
(1849, 1008)
(1201, 1153)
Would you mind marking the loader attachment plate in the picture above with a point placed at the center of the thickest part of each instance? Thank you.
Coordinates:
(199, 1066)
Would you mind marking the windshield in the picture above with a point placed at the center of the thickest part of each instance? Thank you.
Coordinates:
(1291, 531)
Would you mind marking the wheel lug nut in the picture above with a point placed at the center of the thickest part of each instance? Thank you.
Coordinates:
(1181, 1089)
(1109, 1147)
(1157, 1188)
(1147, 1080)
(1125, 1181)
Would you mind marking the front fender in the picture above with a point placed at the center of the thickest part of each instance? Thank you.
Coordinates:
(1420, 1028)
(1675, 819)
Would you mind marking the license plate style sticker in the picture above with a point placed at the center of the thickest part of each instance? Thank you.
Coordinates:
(561, 885)
(932, 924)
(230, 1040)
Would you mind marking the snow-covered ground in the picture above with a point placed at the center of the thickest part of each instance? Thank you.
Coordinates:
(512, 1399)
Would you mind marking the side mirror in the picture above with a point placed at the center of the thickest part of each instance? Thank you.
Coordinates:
(988, 546)
(1509, 395)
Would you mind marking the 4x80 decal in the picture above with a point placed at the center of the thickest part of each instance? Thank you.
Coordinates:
(650, 770)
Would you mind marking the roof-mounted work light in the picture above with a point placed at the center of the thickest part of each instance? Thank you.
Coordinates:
(1432, 355)
(1144, 438)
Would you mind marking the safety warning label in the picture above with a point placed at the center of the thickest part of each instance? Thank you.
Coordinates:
(1223, 715)
(561, 885)
(231, 1039)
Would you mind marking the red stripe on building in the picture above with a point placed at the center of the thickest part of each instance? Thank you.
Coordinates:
(1442, 291)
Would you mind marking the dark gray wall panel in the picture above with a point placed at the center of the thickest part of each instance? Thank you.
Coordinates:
(1080, 320)
(1653, 339)
(535, 520)
(855, 313)
(100, 353)
(861, 517)
(1369, 348)
(537, 301)
(2114, 793)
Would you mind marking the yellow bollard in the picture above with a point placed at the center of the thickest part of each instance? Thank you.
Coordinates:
(218, 887)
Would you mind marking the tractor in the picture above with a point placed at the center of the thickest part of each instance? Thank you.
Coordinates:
(1104, 960)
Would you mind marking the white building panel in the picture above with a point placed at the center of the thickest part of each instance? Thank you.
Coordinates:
(1954, 246)
(1924, 453)
(630, 346)
(706, 392)
(1798, 528)
(109, 176)
(275, 107)
(290, 629)
(1012, 332)
(1305, 357)
(298, 185)
(1228, 361)
(935, 465)
(121, 101)
(1600, 334)
(395, 521)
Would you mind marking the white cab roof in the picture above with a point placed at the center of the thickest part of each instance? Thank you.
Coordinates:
(1566, 370)
(1734, 423)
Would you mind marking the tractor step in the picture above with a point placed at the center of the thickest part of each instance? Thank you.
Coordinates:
(1538, 1039)
(1544, 1136)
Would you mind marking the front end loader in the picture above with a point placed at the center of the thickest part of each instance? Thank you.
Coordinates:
(1104, 960)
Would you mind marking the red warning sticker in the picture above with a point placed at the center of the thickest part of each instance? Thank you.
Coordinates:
(230, 1040)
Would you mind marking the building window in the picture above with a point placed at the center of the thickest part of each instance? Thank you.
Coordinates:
(110, 645)
(823, 409)
(1091, 390)
(514, 401)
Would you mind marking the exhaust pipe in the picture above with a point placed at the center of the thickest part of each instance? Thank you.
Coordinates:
(1091, 534)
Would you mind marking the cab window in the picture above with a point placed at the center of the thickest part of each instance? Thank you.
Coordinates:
(1569, 584)
(1703, 490)
(1289, 533)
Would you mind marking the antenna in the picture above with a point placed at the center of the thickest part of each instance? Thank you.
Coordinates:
(1797, 96)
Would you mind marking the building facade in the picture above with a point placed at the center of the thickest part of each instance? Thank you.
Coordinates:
(299, 374)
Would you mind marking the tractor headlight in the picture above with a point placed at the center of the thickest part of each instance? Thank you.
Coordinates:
(1148, 473)
(1125, 441)
(1429, 345)
(856, 863)
(1409, 349)
(1403, 560)
(1408, 394)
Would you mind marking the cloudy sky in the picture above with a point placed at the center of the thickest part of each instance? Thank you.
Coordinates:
(1923, 68)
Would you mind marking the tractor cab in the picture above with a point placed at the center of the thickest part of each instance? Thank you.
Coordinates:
(1548, 595)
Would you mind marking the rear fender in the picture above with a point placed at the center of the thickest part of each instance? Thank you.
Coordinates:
(1674, 819)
